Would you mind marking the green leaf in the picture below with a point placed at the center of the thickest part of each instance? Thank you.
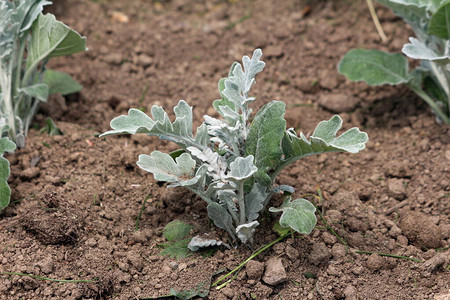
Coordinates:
(419, 50)
(202, 290)
(38, 91)
(176, 230)
(323, 140)
(264, 137)
(279, 229)
(164, 168)
(60, 82)
(5, 192)
(297, 214)
(177, 250)
(374, 67)
(440, 21)
(50, 128)
(51, 38)
(436, 92)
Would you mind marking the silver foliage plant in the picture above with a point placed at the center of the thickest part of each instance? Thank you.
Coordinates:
(232, 162)
(28, 39)
(430, 21)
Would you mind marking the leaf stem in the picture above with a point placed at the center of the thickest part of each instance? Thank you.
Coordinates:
(376, 21)
(254, 254)
(390, 255)
(421, 93)
(241, 203)
(45, 278)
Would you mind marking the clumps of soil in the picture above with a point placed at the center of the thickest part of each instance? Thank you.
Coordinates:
(98, 289)
(419, 229)
(51, 221)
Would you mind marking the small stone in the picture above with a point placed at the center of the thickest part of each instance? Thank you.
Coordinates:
(254, 270)
(396, 188)
(350, 293)
(427, 235)
(275, 272)
(338, 103)
(375, 262)
(46, 265)
(91, 242)
(173, 265)
(228, 292)
(144, 60)
(329, 238)
(319, 254)
(291, 252)
(338, 250)
(30, 173)
(273, 51)
(113, 58)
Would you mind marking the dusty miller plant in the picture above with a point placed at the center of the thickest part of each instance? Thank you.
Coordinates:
(232, 162)
(430, 20)
(28, 39)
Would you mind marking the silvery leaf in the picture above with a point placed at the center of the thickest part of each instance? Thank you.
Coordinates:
(164, 168)
(419, 50)
(245, 231)
(297, 214)
(198, 242)
(241, 168)
(324, 139)
(221, 218)
(284, 189)
(254, 201)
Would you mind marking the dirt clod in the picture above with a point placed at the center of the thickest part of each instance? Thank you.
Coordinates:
(254, 270)
(427, 235)
(319, 253)
(396, 188)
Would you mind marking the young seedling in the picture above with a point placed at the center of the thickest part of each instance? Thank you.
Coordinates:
(28, 39)
(232, 163)
(430, 21)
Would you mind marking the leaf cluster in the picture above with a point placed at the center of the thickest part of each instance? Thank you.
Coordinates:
(232, 162)
(430, 20)
(28, 39)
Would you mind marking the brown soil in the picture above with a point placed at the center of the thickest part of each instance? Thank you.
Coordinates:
(76, 197)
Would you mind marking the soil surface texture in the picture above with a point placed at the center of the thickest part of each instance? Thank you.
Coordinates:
(83, 212)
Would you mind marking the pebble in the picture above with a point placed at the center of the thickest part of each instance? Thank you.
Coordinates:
(30, 173)
(291, 252)
(338, 250)
(113, 58)
(173, 265)
(319, 254)
(144, 60)
(396, 188)
(228, 292)
(338, 103)
(275, 272)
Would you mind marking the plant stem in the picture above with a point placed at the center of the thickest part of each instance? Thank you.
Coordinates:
(45, 278)
(241, 203)
(254, 254)
(390, 255)
(376, 21)
(421, 93)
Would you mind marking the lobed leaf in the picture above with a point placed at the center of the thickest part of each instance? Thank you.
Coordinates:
(177, 250)
(199, 242)
(323, 140)
(164, 168)
(264, 138)
(418, 50)
(221, 218)
(179, 132)
(374, 67)
(245, 231)
(241, 168)
(297, 214)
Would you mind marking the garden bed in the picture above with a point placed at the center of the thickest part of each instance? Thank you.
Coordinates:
(83, 211)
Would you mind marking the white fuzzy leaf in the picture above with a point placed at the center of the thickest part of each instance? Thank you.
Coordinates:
(245, 231)
(242, 168)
